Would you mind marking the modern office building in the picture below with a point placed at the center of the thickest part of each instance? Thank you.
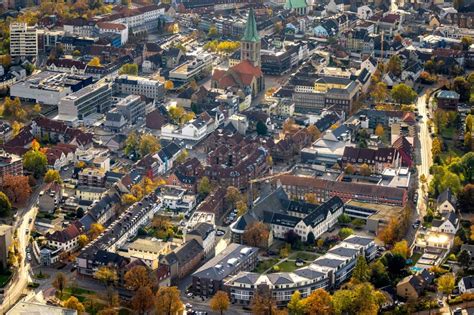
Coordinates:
(10, 164)
(49, 87)
(129, 84)
(132, 107)
(23, 40)
(92, 99)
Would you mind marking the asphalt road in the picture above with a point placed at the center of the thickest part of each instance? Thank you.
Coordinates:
(425, 152)
(23, 228)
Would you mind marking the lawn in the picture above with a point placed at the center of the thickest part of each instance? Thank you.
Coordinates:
(5, 277)
(306, 256)
(263, 265)
(79, 293)
(288, 266)
(414, 258)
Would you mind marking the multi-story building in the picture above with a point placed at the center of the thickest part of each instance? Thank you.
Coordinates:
(327, 272)
(23, 40)
(183, 260)
(48, 87)
(10, 164)
(192, 69)
(128, 84)
(67, 240)
(91, 177)
(139, 19)
(132, 107)
(92, 99)
(324, 189)
(6, 237)
(209, 278)
(377, 159)
(205, 234)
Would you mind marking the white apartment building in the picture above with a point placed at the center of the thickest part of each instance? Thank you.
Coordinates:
(130, 84)
(23, 40)
(138, 19)
(191, 69)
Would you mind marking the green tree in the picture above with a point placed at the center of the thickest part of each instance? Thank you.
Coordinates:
(148, 144)
(35, 162)
(129, 68)
(5, 205)
(131, 143)
(361, 271)
(464, 258)
(446, 283)
(394, 65)
(344, 219)
(261, 128)
(296, 306)
(378, 274)
(403, 94)
(52, 176)
(204, 186)
(345, 232)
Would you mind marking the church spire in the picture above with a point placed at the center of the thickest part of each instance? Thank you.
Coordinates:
(251, 33)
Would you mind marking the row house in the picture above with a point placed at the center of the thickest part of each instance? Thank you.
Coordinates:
(377, 159)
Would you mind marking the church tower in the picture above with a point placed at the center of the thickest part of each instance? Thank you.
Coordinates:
(250, 43)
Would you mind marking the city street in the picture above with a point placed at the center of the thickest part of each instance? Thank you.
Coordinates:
(23, 226)
(425, 159)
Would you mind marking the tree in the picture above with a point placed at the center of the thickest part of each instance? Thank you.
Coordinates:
(345, 232)
(446, 283)
(394, 65)
(436, 146)
(342, 301)
(464, 258)
(106, 275)
(263, 305)
(95, 230)
(142, 300)
(129, 199)
(256, 234)
(212, 32)
(74, 304)
(137, 277)
(395, 263)
(16, 127)
(37, 108)
(296, 305)
(289, 125)
(361, 271)
(182, 157)
(349, 170)
(17, 188)
(403, 94)
(310, 198)
(241, 207)
(59, 283)
(167, 301)
(402, 249)
(5, 205)
(344, 219)
(176, 113)
(204, 186)
(219, 302)
(232, 195)
(466, 198)
(261, 128)
(95, 62)
(378, 274)
(82, 240)
(463, 88)
(359, 299)
(319, 302)
(148, 144)
(451, 181)
(129, 68)
(169, 85)
(379, 92)
(379, 130)
(52, 176)
(314, 132)
(35, 162)
(365, 170)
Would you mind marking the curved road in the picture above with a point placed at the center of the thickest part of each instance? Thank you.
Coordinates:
(20, 281)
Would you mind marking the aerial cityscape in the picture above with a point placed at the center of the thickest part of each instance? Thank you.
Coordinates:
(262, 157)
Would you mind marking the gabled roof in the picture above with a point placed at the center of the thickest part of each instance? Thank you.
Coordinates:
(321, 212)
(468, 282)
(447, 195)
